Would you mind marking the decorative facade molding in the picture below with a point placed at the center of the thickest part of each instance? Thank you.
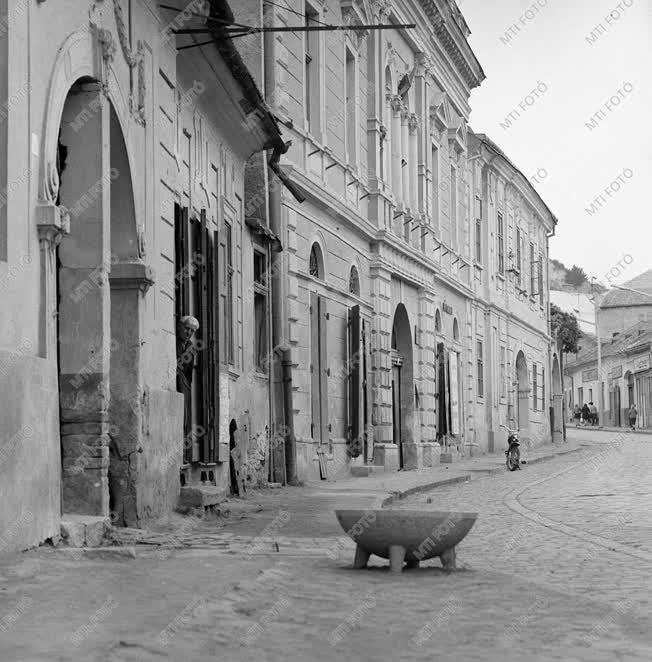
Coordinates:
(391, 54)
(131, 276)
(461, 55)
(50, 183)
(457, 136)
(107, 44)
(413, 123)
(440, 113)
(135, 60)
(52, 224)
(423, 64)
(382, 130)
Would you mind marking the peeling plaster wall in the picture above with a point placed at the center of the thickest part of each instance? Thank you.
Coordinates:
(30, 464)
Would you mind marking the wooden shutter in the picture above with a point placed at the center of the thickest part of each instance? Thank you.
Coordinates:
(366, 391)
(449, 414)
(355, 361)
(181, 250)
(315, 398)
(324, 371)
(441, 390)
(215, 343)
(202, 307)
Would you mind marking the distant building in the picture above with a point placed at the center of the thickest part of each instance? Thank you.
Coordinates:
(620, 309)
(578, 304)
(626, 376)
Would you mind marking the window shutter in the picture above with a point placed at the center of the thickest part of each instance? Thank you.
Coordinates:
(215, 342)
(323, 364)
(315, 398)
(355, 364)
(441, 390)
(447, 372)
(366, 391)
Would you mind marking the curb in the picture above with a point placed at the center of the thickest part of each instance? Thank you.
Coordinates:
(398, 495)
(96, 553)
(609, 429)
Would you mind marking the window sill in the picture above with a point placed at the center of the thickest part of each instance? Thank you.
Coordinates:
(258, 374)
(233, 374)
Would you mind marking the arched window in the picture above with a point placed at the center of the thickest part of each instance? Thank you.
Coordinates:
(456, 330)
(438, 321)
(316, 262)
(354, 282)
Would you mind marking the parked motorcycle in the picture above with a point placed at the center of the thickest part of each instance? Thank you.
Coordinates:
(513, 452)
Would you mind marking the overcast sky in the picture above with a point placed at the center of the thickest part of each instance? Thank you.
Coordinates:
(551, 133)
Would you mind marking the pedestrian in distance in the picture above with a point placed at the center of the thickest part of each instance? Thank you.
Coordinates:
(577, 414)
(586, 414)
(593, 411)
(632, 416)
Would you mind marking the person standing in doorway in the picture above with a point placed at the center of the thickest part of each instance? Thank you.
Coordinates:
(633, 414)
(186, 356)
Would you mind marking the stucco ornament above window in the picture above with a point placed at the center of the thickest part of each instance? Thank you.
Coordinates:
(356, 12)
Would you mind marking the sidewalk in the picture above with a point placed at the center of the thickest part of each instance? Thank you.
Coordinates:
(393, 486)
(309, 511)
(607, 428)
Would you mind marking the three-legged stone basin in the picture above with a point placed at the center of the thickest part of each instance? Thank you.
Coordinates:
(405, 536)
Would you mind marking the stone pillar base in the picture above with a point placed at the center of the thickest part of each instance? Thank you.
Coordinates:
(412, 456)
(430, 451)
(386, 455)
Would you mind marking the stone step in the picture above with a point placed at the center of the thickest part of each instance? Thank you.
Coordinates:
(84, 531)
(364, 470)
(200, 496)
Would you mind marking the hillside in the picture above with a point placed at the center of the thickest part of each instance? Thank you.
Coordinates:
(573, 279)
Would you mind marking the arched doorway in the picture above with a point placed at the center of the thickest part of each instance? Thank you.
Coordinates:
(523, 393)
(402, 383)
(100, 280)
(557, 418)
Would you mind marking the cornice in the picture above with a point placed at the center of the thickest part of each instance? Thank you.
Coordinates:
(461, 54)
(403, 252)
(322, 198)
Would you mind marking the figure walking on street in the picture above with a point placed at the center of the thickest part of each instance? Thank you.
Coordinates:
(593, 412)
(632, 416)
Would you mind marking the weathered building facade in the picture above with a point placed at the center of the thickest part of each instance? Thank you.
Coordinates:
(511, 227)
(355, 306)
(401, 339)
(123, 167)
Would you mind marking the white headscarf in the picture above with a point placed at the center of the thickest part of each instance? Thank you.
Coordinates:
(189, 320)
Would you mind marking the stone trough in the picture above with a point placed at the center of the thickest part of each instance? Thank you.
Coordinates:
(405, 536)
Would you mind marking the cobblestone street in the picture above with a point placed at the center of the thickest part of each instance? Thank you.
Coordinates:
(557, 567)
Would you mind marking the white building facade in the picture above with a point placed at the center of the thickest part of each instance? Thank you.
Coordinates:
(393, 323)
